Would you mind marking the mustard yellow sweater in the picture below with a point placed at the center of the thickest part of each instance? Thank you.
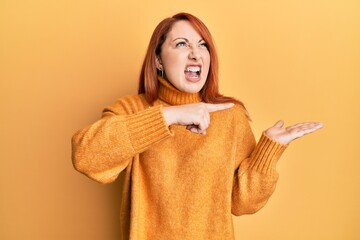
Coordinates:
(178, 184)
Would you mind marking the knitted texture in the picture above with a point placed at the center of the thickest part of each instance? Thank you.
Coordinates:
(178, 184)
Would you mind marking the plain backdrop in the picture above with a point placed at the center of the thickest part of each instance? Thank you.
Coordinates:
(62, 62)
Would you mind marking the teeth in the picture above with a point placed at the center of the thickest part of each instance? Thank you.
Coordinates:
(193, 69)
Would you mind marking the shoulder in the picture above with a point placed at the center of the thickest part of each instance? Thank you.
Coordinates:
(239, 113)
(242, 126)
(127, 104)
(234, 117)
(241, 121)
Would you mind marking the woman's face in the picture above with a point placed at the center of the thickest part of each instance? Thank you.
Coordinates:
(185, 58)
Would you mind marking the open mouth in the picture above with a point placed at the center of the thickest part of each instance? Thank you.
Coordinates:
(192, 72)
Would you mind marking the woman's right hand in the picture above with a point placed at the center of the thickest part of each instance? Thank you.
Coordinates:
(196, 116)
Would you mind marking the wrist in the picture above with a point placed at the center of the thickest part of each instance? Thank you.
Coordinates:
(168, 114)
(276, 138)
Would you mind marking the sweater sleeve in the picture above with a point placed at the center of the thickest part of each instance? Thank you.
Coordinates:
(103, 149)
(255, 175)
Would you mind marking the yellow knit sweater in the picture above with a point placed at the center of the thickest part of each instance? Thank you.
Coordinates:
(178, 184)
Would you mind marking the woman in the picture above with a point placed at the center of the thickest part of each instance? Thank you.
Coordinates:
(189, 155)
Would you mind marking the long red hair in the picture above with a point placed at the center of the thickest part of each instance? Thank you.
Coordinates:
(148, 83)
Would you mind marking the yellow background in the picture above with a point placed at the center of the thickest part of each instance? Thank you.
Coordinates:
(61, 62)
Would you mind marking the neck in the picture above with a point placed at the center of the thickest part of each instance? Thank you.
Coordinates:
(173, 96)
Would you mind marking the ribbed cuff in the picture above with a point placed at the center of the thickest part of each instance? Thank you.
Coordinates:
(266, 154)
(147, 127)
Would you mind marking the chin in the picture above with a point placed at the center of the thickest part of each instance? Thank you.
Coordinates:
(191, 91)
(193, 88)
(186, 86)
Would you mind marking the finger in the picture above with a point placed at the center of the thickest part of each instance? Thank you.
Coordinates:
(202, 125)
(305, 126)
(218, 107)
(311, 127)
(207, 119)
(192, 128)
(201, 120)
(279, 124)
(195, 129)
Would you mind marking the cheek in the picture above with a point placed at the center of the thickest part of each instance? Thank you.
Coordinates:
(207, 62)
(172, 62)
(206, 57)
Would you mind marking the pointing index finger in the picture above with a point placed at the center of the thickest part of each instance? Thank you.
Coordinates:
(211, 107)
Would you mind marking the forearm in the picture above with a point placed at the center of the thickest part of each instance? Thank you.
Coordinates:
(256, 177)
(103, 149)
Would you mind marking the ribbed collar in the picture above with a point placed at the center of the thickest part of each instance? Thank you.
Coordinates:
(173, 96)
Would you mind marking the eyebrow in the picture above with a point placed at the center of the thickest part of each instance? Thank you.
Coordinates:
(186, 39)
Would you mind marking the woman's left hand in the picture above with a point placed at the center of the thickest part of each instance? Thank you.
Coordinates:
(288, 134)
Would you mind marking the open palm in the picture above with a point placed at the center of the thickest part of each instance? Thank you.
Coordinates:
(288, 134)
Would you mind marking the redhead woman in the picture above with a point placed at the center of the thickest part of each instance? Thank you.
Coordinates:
(189, 155)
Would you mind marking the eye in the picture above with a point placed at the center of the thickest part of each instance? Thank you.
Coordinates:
(204, 45)
(181, 44)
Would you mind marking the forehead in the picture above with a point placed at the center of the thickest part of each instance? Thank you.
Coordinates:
(183, 29)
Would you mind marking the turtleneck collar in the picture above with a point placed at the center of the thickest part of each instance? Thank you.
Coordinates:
(173, 96)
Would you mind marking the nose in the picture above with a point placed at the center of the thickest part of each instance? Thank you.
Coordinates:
(194, 54)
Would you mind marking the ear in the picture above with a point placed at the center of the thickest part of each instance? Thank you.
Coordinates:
(158, 63)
